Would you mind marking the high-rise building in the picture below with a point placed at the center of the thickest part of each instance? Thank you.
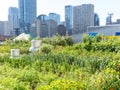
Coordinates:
(43, 17)
(13, 20)
(55, 17)
(63, 23)
(4, 28)
(1, 28)
(69, 18)
(83, 16)
(21, 14)
(46, 28)
(27, 14)
(109, 19)
(52, 27)
(96, 19)
(42, 29)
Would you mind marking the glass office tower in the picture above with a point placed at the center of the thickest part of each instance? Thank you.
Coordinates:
(69, 18)
(55, 17)
(27, 14)
(96, 19)
(13, 20)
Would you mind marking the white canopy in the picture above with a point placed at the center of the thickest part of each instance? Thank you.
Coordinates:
(23, 36)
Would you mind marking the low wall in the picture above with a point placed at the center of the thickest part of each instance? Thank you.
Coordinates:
(107, 30)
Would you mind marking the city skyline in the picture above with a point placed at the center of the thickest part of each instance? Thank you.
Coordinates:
(102, 8)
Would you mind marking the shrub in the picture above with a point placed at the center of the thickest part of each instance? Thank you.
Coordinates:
(85, 38)
(37, 38)
(20, 86)
(98, 38)
(24, 50)
(61, 41)
(29, 76)
(89, 39)
(106, 80)
(58, 40)
(46, 48)
(69, 41)
(51, 41)
(63, 85)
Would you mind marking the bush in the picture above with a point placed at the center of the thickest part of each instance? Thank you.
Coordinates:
(89, 39)
(98, 38)
(29, 77)
(61, 41)
(63, 85)
(58, 40)
(46, 48)
(85, 38)
(106, 80)
(20, 86)
(51, 41)
(37, 38)
(69, 41)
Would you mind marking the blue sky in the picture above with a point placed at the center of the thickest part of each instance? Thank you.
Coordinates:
(102, 7)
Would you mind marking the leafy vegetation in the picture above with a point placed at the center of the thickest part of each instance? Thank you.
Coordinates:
(93, 64)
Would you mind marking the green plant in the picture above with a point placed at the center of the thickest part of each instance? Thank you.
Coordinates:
(37, 38)
(69, 41)
(98, 38)
(59, 40)
(29, 76)
(46, 48)
(85, 38)
(93, 64)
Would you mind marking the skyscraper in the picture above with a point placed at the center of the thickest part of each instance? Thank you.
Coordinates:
(83, 16)
(27, 14)
(1, 28)
(21, 14)
(46, 28)
(42, 17)
(69, 18)
(13, 19)
(109, 19)
(55, 17)
(96, 19)
(4, 28)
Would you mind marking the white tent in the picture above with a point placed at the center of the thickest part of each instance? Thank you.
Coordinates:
(23, 36)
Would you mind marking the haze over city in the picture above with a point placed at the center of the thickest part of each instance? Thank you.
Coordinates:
(102, 7)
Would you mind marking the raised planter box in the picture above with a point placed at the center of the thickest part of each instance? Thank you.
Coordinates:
(15, 53)
(35, 45)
